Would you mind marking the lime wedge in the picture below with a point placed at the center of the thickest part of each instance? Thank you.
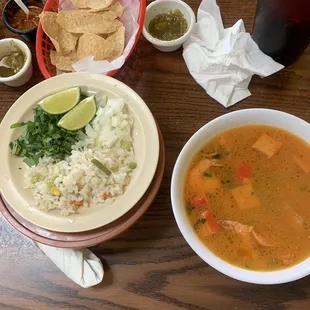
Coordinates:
(61, 102)
(80, 115)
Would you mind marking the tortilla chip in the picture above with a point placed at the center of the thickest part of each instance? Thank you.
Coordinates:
(101, 49)
(63, 41)
(63, 62)
(117, 40)
(83, 21)
(92, 4)
(93, 45)
(118, 9)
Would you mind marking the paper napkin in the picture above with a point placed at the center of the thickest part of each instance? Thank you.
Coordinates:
(81, 266)
(223, 61)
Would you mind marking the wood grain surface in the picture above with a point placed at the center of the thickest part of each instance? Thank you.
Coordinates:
(151, 266)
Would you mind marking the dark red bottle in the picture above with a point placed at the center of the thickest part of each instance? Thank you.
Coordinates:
(282, 28)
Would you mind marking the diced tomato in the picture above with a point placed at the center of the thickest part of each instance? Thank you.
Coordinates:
(106, 195)
(77, 203)
(244, 171)
(213, 225)
(198, 201)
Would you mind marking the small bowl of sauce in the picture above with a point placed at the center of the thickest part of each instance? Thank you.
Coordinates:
(15, 62)
(168, 24)
(18, 22)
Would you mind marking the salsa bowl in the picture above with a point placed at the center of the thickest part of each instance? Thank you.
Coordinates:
(274, 118)
(164, 6)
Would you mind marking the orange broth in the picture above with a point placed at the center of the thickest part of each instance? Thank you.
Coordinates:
(251, 206)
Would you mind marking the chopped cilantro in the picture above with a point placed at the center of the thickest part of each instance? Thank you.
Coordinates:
(42, 137)
(207, 174)
(189, 208)
(198, 222)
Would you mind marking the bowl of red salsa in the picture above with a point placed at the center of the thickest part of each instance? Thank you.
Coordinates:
(18, 22)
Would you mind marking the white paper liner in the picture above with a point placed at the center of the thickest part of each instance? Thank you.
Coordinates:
(129, 20)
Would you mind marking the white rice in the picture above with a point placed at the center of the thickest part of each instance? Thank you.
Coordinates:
(108, 139)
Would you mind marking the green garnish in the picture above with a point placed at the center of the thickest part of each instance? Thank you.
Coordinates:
(207, 174)
(17, 125)
(42, 137)
(50, 182)
(36, 178)
(15, 148)
(132, 166)
(189, 208)
(199, 222)
(126, 145)
(101, 166)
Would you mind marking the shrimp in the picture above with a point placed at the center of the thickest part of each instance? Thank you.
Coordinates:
(246, 231)
(260, 239)
(237, 227)
(197, 179)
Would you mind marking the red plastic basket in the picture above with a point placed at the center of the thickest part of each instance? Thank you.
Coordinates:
(44, 44)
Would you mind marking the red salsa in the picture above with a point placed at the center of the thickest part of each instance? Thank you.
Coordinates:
(19, 20)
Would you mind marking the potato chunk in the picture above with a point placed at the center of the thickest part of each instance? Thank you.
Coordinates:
(267, 145)
(245, 197)
(302, 163)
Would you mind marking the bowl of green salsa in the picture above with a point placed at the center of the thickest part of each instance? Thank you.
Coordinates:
(168, 24)
(15, 62)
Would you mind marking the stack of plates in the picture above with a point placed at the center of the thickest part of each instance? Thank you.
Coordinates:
(94, 225)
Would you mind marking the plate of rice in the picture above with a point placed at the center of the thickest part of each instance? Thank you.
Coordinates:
(73, 180)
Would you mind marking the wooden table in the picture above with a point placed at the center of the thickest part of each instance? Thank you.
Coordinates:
(151, 266)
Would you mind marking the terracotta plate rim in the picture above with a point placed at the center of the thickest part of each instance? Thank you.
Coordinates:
(122, 224)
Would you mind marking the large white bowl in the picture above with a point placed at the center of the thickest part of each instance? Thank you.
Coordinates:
(274, 118)
(146, 146)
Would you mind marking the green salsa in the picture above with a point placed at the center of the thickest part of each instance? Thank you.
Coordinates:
(168, 26)
(13, 62)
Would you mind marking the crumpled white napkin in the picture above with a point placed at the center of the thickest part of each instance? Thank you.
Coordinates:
(223, 61)
(81, 266)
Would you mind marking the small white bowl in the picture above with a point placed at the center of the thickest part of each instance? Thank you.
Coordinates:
(274, 118)
(25, 73)
(163, 6)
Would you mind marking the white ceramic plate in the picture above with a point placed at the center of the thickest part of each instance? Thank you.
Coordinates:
(146, 145)
(274, 118)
